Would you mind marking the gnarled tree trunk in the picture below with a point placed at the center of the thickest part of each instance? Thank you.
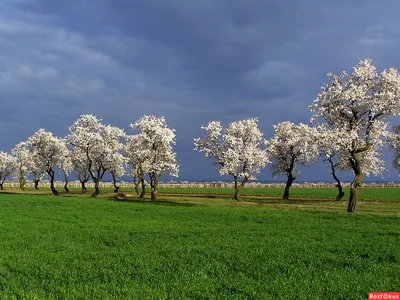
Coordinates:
(143, 184)
(136, 184)
(116, 187)
(37, 181)
(238, 186)
(356, 184)
(66, 182)
(51, 175)
(96, 188)
(340, 195)
(83, 186)
(22, 182)
(96, 175)
(154, 185)
(289, 183)
(338, 182)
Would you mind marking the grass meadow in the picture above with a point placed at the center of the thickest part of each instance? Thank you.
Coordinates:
(366, 193)
(202, 246)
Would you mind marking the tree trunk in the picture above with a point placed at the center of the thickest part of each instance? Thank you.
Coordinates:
(66, 182)
(53, 189)
(354, 190)
(143, 192)
(66, 187)
(22, 182)
(338, 182)
(340, 195)
(83, 187)
(238, 186)
(1, 186)
(37, 184)
(136, 184)
(154, 186)
(356, 184)
(116, 187)
(237, 194)
(96, 188)
(289, 182)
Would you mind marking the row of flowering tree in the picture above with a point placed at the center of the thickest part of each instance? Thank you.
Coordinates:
(92, 149)
(350, 125)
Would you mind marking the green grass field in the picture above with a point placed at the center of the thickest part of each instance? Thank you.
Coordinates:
(366, 193)
(198, 248)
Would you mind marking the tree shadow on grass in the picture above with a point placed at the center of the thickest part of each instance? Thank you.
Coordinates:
(7, 193)
(290, 201)
(158, 202)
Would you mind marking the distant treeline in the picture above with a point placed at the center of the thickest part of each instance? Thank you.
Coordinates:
(218, 184)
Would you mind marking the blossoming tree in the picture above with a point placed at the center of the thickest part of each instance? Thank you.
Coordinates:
(292, 146)
(333, 154)
(38, 173)
(66, 165)
(154, 145)
(8, 164)
(359, 105)
(99, 142)
(139, 162)
(238, 150)
(24, 162)
(117, 168)
(80, 165)
(47, 152)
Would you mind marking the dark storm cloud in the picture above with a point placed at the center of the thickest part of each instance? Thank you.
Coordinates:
(191, 61)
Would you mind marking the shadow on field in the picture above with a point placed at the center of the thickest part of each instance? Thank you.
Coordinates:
(158, 202)
(291, 201)
(7, 193)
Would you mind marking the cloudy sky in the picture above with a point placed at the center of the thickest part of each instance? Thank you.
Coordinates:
(190, 61)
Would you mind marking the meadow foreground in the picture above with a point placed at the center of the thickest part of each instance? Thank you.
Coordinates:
(76, 247)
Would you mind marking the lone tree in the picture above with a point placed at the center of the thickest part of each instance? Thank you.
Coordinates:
(292, 146)
(47, 152)
(335, 153)
(80, 165)
(359, 105)
(238, 150)
(99, 142)
(37, 172)
(140, 162)
(8, 165)
(117, 168)
(332, 152)
(24, 162)
(66, 166)
(154, 145)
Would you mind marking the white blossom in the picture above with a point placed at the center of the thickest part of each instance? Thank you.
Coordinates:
(238, 150)
(98, 142)
(359, 106)
(151, 152)
(47, 152)
(8, 165)
(292, 146)
(24, 162)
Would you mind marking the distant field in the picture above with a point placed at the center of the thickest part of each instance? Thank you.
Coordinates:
(73, 247)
